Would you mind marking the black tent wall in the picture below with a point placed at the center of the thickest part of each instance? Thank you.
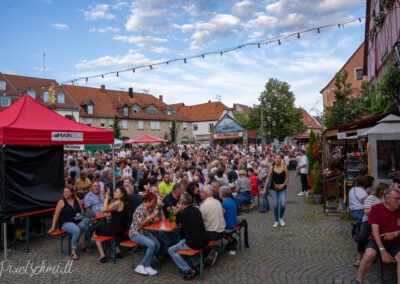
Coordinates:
(33, 178)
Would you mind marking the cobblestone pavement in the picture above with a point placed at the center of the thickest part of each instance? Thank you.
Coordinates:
(311, 248)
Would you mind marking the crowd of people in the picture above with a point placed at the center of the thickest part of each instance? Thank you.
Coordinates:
(376, 208)
(204, 189)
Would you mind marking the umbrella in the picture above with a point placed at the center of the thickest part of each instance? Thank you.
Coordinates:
(144, 138)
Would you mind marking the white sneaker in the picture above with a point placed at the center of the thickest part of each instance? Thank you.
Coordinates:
(251, 206)
(232, 252)
(275, 225)
(281, 222)
(151, 271)
(300, 193)
(141, 270)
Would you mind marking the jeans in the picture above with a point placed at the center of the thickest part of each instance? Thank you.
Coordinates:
(279, 198)
(74, 230)
(166, 240)
(304, 183)
(152, 245)
(242, 197)
(178, 259)
(357, 215)
(265, 203)
(365, 231)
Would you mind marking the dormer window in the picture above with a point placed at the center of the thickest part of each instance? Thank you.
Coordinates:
(126, 111)
(151, 110)
(45, 97)
(2, 85)
(31, 93)
(60, 98)
(90, 109)
(135, 109)
(5, 101)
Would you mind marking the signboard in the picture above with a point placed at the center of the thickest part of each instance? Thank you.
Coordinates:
(228, 135)
(66, 136)
(341, 135)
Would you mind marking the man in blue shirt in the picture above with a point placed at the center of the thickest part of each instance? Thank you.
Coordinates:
(230, 216)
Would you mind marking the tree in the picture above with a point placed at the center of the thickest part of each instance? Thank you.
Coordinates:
(172, 132)
(340, 112)
(277, 102)
(116, 127)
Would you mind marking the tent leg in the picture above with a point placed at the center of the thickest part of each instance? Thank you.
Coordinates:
(113, 166)
(5, 239)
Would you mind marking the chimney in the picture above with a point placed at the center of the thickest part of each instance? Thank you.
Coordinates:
(130, 93)
(103, 88)
(209, 101)
(160, 97)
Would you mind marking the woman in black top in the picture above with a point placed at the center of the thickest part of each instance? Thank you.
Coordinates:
(118, 208)
(279, 176)
(66, 214)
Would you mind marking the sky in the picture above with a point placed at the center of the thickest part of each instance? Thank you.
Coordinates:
(69, 39)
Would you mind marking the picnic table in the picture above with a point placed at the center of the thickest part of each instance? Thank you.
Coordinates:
(27, 224)
(163, 225)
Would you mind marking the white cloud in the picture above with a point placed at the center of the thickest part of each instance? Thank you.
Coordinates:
(58, 26)
(244, 9)
(120, 5)
(145, 42)
(131, 59)
(104, 30)
(98, 12)
(221, 26)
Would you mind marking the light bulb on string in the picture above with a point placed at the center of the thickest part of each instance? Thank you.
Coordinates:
(298, 35)
(133, 70)
(258, 44)
(117, 74)
(151, 67)
(279, 41)
(184, 60)
(102, 76)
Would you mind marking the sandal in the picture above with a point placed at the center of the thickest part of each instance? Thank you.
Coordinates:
(357, 262)
(74, 256)
(103, 259)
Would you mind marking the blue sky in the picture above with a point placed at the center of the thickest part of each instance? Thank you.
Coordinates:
(86, 38)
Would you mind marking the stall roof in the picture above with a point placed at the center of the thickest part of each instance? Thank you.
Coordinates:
(27, 122)
(389, 124)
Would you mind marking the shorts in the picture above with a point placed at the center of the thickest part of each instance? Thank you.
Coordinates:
(393, 247)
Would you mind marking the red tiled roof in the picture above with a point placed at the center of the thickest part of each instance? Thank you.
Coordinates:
(243, 107)
(202, 112)
(309, 121)
(17, 85)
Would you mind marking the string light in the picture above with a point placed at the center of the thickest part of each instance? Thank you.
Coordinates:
(184, 59)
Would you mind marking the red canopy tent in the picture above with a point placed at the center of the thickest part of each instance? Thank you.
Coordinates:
(27, 122)
(31, 155)
(144, 138)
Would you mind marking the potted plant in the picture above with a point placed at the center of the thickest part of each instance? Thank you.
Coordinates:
(316, 186)
(315, 168)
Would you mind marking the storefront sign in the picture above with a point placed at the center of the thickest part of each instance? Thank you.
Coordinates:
(228, 135)
(66, 136)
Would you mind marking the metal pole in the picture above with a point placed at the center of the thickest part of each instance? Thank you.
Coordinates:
(262, 125)
(113, 165)
(3, 201)
(5, 239)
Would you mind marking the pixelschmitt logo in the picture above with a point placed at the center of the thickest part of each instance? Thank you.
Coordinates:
(32, 269)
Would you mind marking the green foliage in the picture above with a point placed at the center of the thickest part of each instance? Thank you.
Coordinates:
(116, 127)
(172, 131)
(310, 157)
(339, 113)
(277, 101)
(314, 163)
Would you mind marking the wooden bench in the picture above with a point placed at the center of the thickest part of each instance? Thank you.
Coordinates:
(27, 224)
(130, 244)
(62, 235)
(113, 240)
(193, 252)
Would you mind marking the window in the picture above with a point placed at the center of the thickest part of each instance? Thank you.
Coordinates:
(31, 93)
(124, 123)
(5, 102)
(135, 109)
(102, 122)
(359, 74)
(210, 126)
(90, 109)
(89, 121)
(60, 98)
(151, 110)
(110, 123)
(184, 125)
(2, 85)
(126, 111)
(169, 112)
(45, 97)
(154, 125)
(140, 124)
(195, 127)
